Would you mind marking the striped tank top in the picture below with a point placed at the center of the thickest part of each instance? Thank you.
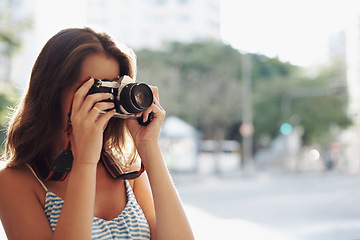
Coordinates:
(129, 224)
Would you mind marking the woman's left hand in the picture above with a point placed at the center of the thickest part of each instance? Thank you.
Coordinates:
(150, 133)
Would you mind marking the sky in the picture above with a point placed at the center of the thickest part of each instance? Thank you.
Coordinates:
(294, 30)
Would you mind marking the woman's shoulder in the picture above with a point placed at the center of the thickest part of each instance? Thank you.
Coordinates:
(20, 204)
(16, 179)
(12, 174)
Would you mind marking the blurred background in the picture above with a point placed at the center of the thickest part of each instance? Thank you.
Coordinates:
(262, 134)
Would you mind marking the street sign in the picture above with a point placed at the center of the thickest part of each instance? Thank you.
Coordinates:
(246, 129)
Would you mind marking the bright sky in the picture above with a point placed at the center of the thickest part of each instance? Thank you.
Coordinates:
(295, 30)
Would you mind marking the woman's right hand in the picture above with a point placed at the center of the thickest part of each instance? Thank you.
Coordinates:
(88, 124)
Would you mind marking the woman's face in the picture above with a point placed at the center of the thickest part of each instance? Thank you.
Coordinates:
(98, 66)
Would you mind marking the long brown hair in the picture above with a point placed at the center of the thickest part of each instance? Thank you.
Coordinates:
(38, 117)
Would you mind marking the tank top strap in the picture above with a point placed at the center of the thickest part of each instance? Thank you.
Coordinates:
(33, 172)
(129, 192)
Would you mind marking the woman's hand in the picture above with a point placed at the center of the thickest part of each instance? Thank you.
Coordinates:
(148, 134)
(88, 124)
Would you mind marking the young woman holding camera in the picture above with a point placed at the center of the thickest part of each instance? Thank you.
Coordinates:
(105, 195)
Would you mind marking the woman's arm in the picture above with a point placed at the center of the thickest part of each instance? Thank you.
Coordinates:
(171, 221)
(75, 221)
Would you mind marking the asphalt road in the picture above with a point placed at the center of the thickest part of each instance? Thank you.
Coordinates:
(273, 206)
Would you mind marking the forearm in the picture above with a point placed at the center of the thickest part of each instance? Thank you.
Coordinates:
(171, 221)
(75, 221)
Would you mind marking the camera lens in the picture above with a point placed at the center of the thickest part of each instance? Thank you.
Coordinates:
(136, 97)
(141, 95)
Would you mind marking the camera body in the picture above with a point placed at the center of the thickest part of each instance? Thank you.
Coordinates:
(128, 96)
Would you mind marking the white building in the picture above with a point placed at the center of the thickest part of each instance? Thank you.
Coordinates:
(150, 23)
(352, 136)
(344, 48)
(137, 23)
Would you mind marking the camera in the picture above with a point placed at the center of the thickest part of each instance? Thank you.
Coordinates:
(128, 96)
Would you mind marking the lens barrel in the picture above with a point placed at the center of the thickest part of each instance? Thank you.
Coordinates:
(136, 97)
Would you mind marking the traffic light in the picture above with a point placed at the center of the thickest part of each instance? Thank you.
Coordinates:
(286, 129)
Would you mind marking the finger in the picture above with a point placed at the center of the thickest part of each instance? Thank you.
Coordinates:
(145, 114)
(93, 99)
(157, 103)
(155, 91)
(155, 108)
(104, 118)
(99, 108)
(81, 93)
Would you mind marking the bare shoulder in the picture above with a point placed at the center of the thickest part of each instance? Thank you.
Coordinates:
(15, 182)
(18, 177)
(20, 204)
(11, 177)
(21, 181)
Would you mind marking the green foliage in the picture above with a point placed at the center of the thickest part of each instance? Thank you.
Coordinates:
(10, 32)
(267, 99)
(8, 99)
(201, 83)
(266, 69)
(318, 114)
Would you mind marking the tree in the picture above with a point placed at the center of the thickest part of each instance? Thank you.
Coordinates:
(8, 98)
(201, 83)
(318, 114)
(11, 31)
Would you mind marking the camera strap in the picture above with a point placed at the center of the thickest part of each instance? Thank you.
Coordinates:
(47, 171)
(59, 168)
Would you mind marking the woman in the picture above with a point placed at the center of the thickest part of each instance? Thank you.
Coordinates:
(88, 202)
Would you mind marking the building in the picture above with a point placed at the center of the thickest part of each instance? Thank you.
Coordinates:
(344, 49)
(150, 23)
(137, 23)
(12, 22)
(351, 138)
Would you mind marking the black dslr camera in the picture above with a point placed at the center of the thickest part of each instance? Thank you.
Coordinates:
(129, 97)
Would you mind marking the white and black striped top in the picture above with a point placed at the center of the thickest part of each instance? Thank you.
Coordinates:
(129, 224)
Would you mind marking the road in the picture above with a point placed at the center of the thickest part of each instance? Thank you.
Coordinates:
(273, 206)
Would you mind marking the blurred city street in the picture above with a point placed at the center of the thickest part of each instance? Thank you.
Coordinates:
(272, 205)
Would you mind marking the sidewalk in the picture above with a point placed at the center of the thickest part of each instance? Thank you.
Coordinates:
(209, 227)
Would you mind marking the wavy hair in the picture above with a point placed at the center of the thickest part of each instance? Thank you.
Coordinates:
(38, 117)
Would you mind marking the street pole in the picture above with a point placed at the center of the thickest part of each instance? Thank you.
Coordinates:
(246, 129)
